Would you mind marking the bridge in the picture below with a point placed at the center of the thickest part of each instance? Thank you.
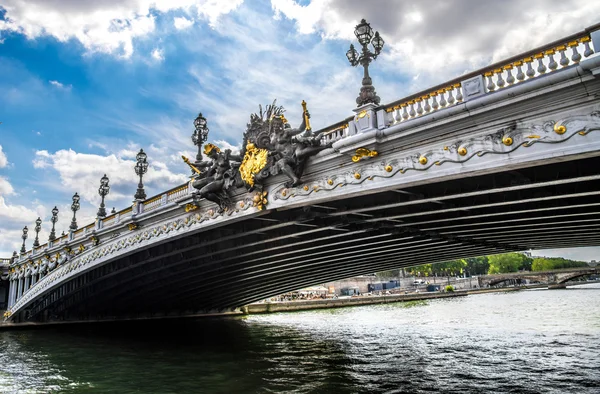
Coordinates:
(554, 278)
(502, 159)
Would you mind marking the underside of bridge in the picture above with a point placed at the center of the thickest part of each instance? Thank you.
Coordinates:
(543, 206)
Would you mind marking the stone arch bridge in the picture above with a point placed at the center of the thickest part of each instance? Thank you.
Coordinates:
(502, 159)
(551, 277)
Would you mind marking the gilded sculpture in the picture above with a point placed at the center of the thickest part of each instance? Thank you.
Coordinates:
(270, 147)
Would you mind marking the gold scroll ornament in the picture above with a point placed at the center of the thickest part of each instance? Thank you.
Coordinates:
(254, 161)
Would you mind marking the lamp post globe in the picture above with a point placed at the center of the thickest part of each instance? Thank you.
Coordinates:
(103, 191)
(53, 219)
(74, 207)
(37, 228)
(363, 32)
(24, 237)
(141, 167)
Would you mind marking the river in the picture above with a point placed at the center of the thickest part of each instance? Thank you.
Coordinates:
(537, 341)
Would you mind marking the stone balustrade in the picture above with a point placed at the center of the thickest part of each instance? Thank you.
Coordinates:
(178, 192)
(152, 203)
(529, 65)
(335, 132)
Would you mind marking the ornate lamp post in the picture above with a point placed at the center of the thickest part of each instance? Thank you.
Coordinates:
(74, 208)
(364, 34)
(38, 227)
(53, 219)
(24, 236)
(200, 135)
(140, 169)
(103, 191)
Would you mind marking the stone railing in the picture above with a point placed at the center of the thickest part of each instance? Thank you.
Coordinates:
(81, 235)
(335, 132)
(526, 66)
(529, 65)
(177, 193)
(152, 203)
(109, 220)
(4, 262)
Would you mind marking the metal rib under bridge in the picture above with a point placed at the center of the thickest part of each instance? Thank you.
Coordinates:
(510, 167)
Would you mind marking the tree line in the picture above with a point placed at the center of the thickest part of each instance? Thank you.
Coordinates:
(494, 264)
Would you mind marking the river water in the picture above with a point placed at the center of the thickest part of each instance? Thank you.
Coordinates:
(538, 341)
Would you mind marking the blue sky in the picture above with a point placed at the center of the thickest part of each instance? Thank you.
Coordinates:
(85, 84)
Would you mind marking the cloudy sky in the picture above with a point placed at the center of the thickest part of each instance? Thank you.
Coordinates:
(84, 84)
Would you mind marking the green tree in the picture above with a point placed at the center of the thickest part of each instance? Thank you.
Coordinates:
(477, 265)
(420, 270)
(553, 263)
(506, 262)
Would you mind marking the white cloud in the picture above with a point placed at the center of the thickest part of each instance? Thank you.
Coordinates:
(108, 26)
(5, 187)
(182, 23)
(19, 213)
(157, 54)
(3, 158)
(442, 39)
(81, 172)
(60, 85)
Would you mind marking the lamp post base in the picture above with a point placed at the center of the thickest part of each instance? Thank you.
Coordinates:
(367, 95)
(140, 194)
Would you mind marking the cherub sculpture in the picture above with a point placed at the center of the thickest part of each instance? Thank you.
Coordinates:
(221, 175)
(288, 148)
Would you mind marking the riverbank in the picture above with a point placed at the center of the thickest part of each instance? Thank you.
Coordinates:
(290, 306)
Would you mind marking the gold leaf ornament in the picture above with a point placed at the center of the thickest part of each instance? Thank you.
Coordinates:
(254, 161)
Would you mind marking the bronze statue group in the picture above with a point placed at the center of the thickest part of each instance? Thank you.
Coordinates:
(270, 147)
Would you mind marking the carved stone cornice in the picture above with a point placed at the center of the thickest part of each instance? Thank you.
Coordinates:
(502, 142)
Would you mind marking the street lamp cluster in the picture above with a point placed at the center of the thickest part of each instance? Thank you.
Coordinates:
(141, 167)
(364, 34)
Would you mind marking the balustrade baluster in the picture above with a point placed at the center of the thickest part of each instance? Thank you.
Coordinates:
(459, 95)
(419, 109)
(588, 50)
(451, 99)
(499, 81)
(427, 107)
(434, 103)
(575, 56)
(564, 60)
(404, 113)
(443, 101)
(552, 65)
(510, 79)
(530, 71)
(490, 85)
(520, 73)
(540, 58)
(412, 112)
(397, 116)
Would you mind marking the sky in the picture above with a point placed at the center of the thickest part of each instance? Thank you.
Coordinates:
(84, 84)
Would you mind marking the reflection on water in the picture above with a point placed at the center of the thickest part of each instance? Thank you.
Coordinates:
(526, 342)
